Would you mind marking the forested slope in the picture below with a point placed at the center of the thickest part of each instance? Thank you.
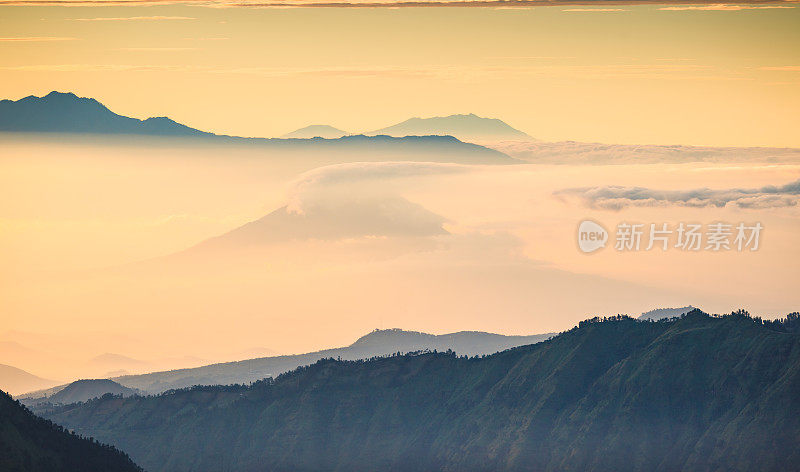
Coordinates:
(698, 393)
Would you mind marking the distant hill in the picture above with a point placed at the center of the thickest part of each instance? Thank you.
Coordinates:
(59, 112)
(31, 444)
(464, 127)
(464, 343)
(109, 362)
(115, 359)
(661, 313)
(316, 131)
(376, 343)
(16, 354)
(330, 220)
(78, 391)
(15, 380)
(699, 393)
(82, 390)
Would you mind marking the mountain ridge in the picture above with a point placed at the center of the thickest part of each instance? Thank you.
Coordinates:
(66, 112)
(250, 370)
(603, 396)
(67, 116)
(466, 127)
(13, 379)
(315, 131)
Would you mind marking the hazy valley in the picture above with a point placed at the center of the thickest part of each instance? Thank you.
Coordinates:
(194, 284)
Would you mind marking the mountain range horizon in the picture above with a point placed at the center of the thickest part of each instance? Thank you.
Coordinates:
(375, 343)
(601, 375)
(65, 112)
(389, 340)
(25, 115)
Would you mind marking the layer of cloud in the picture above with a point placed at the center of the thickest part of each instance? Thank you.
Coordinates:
(36, 39)
(595, 9)
(571, 153)
(723, 7)
(661, 70)
(499, 4)
(346, 201)
(619, 197)
(156, 49)
(367, 71)
(782, 68)
(370, 177)
(702, 5)
(134, 18)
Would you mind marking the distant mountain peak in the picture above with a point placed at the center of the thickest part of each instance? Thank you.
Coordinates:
(86, 389)
(466, 127)
(330, 220)
(16, 381)
(316, 131)
(56, 95)
(661, 313)
(110, 357)
(380, 335)
(65, 112)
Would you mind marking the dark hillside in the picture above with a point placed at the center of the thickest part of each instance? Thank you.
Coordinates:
(31, 444)
(697, 393)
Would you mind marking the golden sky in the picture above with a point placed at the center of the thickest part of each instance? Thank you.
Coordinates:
(85, 224)
(717, 75)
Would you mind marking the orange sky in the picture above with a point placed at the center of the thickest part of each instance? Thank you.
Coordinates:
(635, 74)
(77, 217)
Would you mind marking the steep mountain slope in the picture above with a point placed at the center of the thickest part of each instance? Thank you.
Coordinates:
(15, 380)
(67, 113)
(316, 131)
(464, 127)
(377, 343)
(31, 444)
(700, 393)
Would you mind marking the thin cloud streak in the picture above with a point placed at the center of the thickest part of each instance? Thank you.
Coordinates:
(156, 49)
(35, 39)
(450, 72)
(94, 3)
(781, 68)
(498, 4)
(724, 7)
(134, 18)
(493, 4)
(617, 197)
(595, 9)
